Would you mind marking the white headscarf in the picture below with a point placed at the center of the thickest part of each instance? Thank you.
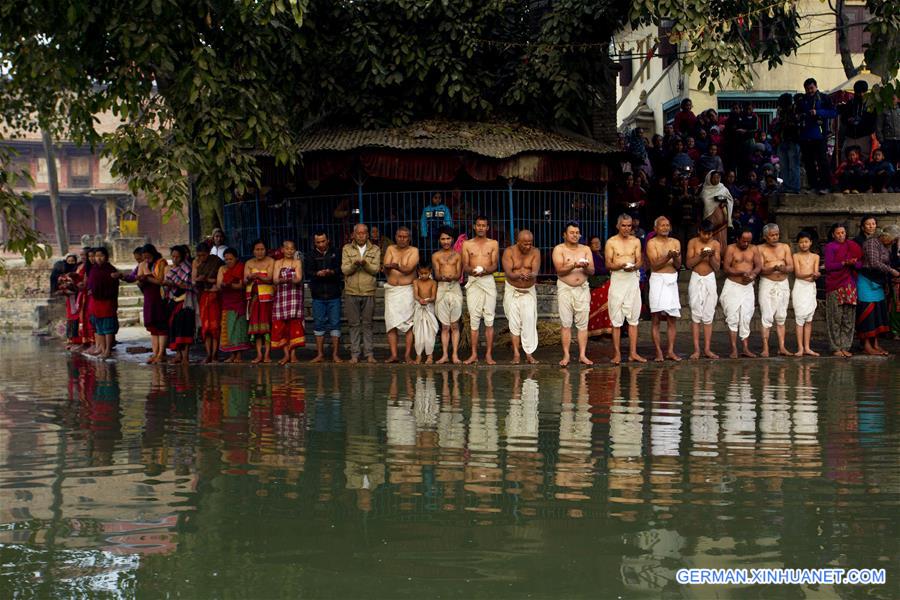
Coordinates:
(709, 193)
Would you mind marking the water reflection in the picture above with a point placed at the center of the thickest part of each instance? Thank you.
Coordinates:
(774, 463)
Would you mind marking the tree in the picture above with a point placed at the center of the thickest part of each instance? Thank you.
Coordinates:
(202, 86)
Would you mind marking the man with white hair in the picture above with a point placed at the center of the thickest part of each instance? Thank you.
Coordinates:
(774, 289)
(623, 260)
(360, 263)
(664, 255)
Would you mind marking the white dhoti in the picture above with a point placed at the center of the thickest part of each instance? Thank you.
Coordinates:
(574, 303)
(520, 307)
(803, 299)
(481, 300)
(774, 297)
(739, 304)
(664, 294)
(624, 298)
(425, 328)
(399, 304)
(703, 297)
(449, 301)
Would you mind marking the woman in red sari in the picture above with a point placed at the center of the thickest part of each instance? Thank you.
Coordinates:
(206, 272)
(598, 322)
(233, 331)
(84, 313)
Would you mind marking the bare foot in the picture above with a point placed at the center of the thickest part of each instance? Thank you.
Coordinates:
(284, 361)
(318, 358)
(872, 352)
(784, 352)
(616, 360)
(810, 353)
(585, 360)
(695, 355)
(456, 360)
(391, 360)
(674, 356)
(489, 360)
(471, 360)
(336, 359)
(764, 353)
(564, 362)
(711, 354)
(659, 357)
(267, 360)
(847, 353)
(839, 353)
(410, 360)
(637, 358)
(371, 360)
(443, 360)
(354, 360)
(515, 359)
(749, 354)
(429, 360)
(531, 360)
(733, 354)
(176, 361)
(151, 361)
(418, 360)
(256, 360)
(797, 353)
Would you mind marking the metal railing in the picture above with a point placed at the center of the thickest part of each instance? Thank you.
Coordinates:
(543, 212)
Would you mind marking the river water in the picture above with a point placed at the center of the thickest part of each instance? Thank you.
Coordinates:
(125, 480)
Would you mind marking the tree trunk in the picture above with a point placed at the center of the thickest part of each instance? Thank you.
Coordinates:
(59, 225)
(843, 41)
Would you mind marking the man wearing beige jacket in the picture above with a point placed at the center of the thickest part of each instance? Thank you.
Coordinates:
(360, 263)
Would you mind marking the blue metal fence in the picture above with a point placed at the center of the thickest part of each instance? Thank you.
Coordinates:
(543, 212)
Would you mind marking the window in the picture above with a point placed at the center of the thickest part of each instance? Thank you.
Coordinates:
(41, 175)
(666, 50)
(857, 36)
(626, 74)
(80, 171)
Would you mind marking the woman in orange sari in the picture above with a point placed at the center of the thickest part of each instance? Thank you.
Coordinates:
(205, 274)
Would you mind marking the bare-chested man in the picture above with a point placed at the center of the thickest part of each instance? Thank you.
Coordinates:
(400, 262)
(704, 255)
(479, 259)
(774, 289)
(521, 265)
(664, 256)
(623, 260)
(447, 265)
(573, 264)
(742, 265)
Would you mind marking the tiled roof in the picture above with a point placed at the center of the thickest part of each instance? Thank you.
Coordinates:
(494, 140)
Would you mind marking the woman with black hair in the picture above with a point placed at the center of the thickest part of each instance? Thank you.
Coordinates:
(180, 304)
(152, 275)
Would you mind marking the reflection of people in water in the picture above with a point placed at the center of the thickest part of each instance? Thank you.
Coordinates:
(626, 465)
(524, 460)
(364, 469)
(451, 441)
(483, 472)
(574, 471)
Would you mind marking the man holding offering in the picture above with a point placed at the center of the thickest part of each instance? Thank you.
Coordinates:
(573, 264)
(521, 265)
(703, 259)
(400, 262)
(479, 258)
(664, 255)
(623, 260)
(742, 265)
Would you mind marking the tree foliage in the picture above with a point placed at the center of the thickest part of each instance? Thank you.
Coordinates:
(202, 85)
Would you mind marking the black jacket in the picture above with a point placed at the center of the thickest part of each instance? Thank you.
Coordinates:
(328, 287)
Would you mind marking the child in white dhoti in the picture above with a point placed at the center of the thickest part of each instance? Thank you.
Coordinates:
(803, 296)
(425, 324)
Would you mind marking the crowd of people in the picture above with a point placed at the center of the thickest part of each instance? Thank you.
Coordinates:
(233, 306)
(672, 174)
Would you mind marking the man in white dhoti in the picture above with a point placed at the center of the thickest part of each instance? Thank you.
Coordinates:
(664, 256)
(448, 306)
(573, 263)
(742, 266)
(774, 289)
(479, 259)
(623, 260)
(521, 265)
(806, 271)
(703, 259)
(400, 262)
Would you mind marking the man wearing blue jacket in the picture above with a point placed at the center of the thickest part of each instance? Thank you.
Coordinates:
(814, 109)
(435, 215)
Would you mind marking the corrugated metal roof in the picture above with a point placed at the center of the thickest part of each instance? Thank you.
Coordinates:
(494, 140)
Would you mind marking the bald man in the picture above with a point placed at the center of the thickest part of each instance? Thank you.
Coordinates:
(521, 265)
